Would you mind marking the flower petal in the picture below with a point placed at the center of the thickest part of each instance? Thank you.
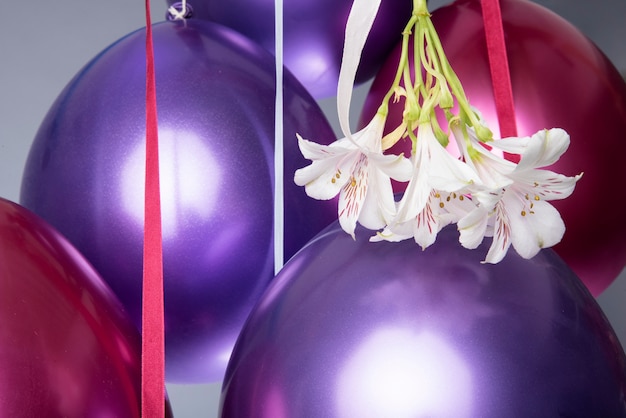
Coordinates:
(426, 226)
(352, 196)
(379, 206)
(416, 194)
(547, 185)
(514, 145)
(501, 237)
(531, 232)
(544, 148)
(401, 232)
(320, 180)
(314, 151)
(449, 174)
(472, 228)
(396, 167)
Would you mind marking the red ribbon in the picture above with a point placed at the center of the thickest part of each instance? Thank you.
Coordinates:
(153, 335)
(499, 67)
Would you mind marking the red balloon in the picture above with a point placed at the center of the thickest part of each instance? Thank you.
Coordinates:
(67, 347)
(313, 34)
(559, 79)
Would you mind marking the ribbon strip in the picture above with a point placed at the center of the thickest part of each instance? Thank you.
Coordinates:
(279, 201)
(153, 335)
(499, 67)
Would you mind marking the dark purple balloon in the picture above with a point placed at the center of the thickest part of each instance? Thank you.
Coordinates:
(215, 94)
(359, 329)
(313, 34)
(67, 347)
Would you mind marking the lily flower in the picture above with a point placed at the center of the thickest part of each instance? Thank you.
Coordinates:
(438, 184)
(492, 169)
(357, 170)
(519, 213)
(440, 210)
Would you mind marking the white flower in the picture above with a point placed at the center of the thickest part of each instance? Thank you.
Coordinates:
(440, 210)
(356, 169)
(492, 169)
(519, 214)
(434, 196)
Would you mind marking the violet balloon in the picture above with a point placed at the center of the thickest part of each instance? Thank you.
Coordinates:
(67, 347)
(313, 34)
(215, 99)
(559, 79)
(360, 329)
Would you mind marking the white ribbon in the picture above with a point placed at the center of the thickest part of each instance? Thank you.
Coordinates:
(279, 202)
(358, 26)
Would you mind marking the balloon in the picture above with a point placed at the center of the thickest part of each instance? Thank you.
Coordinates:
(313, 34)
(361, 329)
(215, 99)
(67, 347)
(559, 79)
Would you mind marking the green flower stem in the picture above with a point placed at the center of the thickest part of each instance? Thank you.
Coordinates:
(420, 7)
(439, 86)
(404, 56)
(484, 134)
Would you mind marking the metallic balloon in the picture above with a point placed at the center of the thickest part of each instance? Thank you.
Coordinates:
(215, 99)
(67, 347)
(559, 79)
(360, 329)
(313, 34)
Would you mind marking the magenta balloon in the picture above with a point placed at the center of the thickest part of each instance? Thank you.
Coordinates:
(360, 329)
(559, 79)
(67, 347)
(215, 94)
(313, 34)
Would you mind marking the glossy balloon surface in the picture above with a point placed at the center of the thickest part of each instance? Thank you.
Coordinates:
(313, 34)
(559, 79)
(360, 329)
(67, 347)
(215, 99)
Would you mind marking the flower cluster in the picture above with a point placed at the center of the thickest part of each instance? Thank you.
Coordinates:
(479, 190)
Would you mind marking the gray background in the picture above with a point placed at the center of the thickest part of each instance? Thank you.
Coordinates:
(43, 44)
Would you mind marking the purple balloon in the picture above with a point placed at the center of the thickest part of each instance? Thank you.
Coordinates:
(313, 34)
(360, 329)
(215, 98)
(67, 347)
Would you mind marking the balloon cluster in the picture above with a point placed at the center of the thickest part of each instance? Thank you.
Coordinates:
(215, 98)
(349, 327)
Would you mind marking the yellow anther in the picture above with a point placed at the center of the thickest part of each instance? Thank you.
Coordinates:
(523, 213)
